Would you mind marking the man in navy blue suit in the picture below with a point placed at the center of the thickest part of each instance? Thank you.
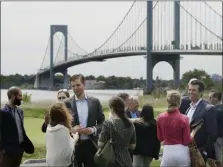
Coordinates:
(215, 98)
(14, 141)
(200, 110)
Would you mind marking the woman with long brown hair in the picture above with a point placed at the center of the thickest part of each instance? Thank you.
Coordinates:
(62, 94)
(60, 142)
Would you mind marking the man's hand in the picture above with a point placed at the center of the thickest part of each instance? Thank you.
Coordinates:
(85, 131)
(76, 136)
(76, 128)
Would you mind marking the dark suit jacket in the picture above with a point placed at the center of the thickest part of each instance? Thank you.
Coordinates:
(147, 143)
(0, 132)
(128, 113)
(185, 104)
(10, 140)
(207, 134)
(219, 117)
(95, 114)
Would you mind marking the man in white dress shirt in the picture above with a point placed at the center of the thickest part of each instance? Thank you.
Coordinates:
(88, 118)
(200, 110)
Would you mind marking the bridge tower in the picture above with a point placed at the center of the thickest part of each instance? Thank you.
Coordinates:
(54, 29)
(152, 60)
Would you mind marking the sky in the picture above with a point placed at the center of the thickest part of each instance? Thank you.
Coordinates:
(25, 31)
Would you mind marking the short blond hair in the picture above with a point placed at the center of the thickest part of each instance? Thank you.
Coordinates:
(173, 98)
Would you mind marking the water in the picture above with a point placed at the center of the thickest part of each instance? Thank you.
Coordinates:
(44, 95)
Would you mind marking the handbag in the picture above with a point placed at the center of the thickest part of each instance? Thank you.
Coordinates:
(105, 157)
(196, 157)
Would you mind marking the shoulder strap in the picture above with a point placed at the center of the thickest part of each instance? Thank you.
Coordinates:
(110, 129)
(1, 129)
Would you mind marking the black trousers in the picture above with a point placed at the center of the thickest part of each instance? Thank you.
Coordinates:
(11, 160)
(84, 153)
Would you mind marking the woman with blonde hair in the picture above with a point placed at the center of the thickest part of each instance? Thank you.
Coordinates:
(60, 143)
(174, 131)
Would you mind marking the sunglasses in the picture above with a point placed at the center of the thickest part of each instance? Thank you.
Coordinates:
(62, 90)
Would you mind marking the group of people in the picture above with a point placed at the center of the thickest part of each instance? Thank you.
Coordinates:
(75, 128)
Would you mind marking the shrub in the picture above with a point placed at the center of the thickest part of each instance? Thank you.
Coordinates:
(27, 97)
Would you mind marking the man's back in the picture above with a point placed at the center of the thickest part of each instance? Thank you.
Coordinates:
(219, 117)
(173, 128)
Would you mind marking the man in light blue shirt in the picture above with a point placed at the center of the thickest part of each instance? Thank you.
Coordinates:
(88, 119)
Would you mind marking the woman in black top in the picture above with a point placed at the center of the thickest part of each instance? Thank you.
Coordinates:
(147, 143)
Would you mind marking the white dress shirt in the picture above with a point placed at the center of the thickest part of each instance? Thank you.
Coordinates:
(192, 109)
(82, 110)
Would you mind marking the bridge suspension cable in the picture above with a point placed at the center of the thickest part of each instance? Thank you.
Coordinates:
(77, 44)
(117, 27)
(212, 9)
(60, 46)
(79, 51)
(135, 30)
(63, 43)
(199, 22)
(45, 53)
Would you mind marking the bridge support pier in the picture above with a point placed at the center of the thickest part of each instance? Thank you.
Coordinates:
(54, 29)
(43, 82)
(37, 82)
(65, 85)
(173, 60)
(176, 71)
(149, 62)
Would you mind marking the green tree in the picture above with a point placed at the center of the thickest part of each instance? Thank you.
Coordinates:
(199, 74)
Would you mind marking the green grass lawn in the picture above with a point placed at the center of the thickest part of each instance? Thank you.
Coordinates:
(33, 130)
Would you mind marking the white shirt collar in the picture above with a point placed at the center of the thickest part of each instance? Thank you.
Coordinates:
(85, 97)
(196, 104)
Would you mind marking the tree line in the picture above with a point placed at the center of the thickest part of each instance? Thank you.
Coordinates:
(113, 82)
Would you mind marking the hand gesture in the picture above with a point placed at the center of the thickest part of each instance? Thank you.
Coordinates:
(76, 128)
(86, 131)
(194, 131)
(76, 136)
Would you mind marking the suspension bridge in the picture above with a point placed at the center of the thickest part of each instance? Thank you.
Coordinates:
(159, 30)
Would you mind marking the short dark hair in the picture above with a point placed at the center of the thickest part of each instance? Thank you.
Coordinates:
(123, 96)
(13, 91)
(78, 76)
(199, 83)
(147, 113)
(216, 94)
